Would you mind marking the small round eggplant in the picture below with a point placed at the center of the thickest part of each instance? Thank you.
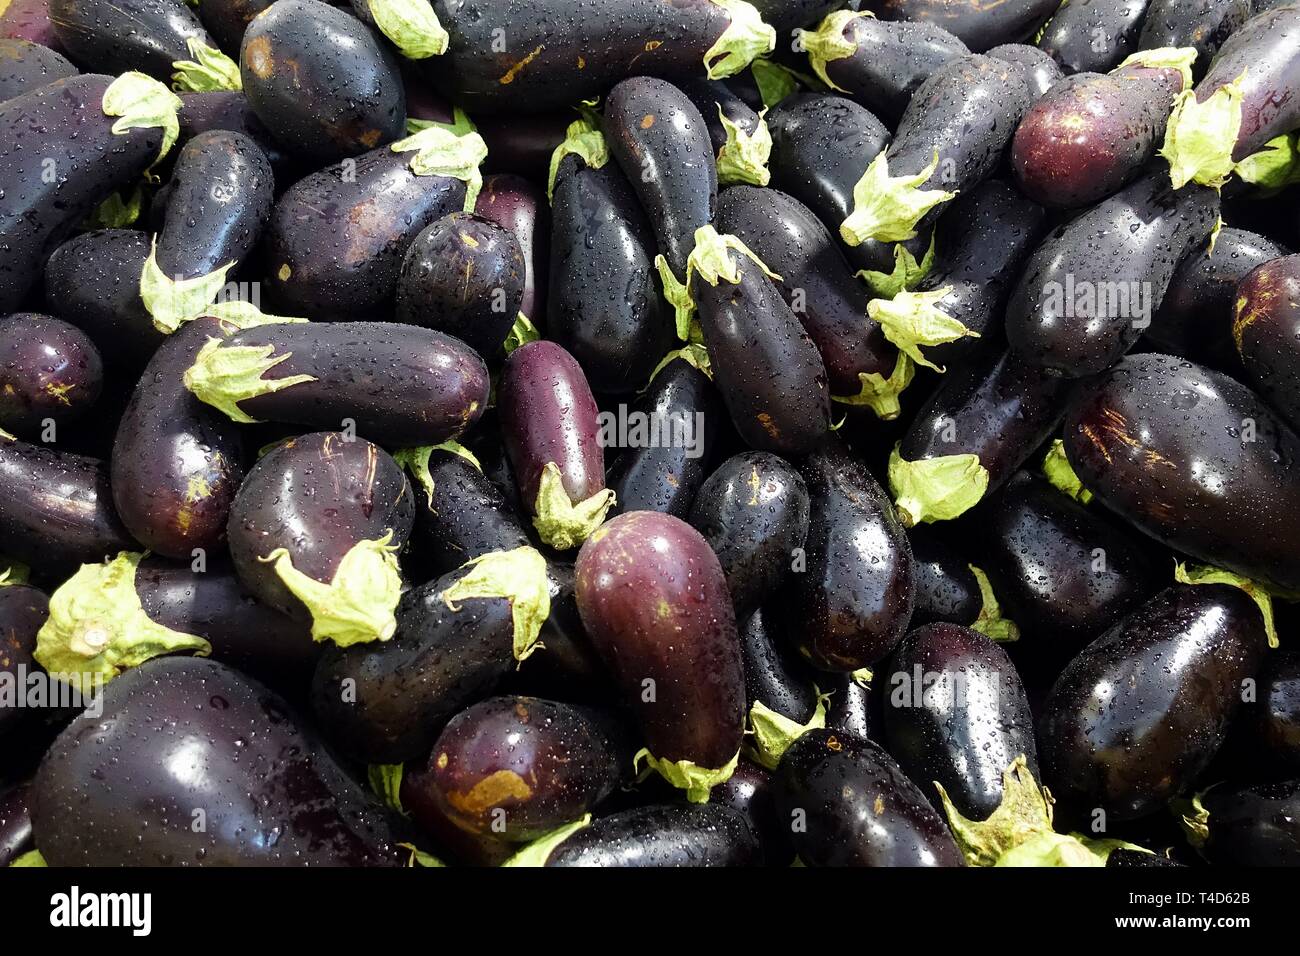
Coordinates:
(23, 611)
(1266, 328)
(670, 835)
(26, 66)
(520, 208)
(49, 371)
(1093, 36)
(1251, 826)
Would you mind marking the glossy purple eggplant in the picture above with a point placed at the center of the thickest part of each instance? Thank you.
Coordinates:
(1093, 36)
(26, 66)
(23, 611)
(518, 206)
(15, 823)
(1266, 328)
(1203, 25)
(946, 587)
(50, 372)
(229, 110)
(669, 835)
(113, 36)
(1044, 72)
(1256, 825)
(978, 25)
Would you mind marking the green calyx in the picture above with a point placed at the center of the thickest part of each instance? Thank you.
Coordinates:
(416, 461)
(1060, 473)
(881, 394)
(907, 273)
(6, 436)
(1025, 812)
(745, 38)
(30, 858)
(518, 576)
(142, 102)
(1275, 166)
(207, 71)
(358, 604)
(411, 25)
(774, 81)
(743, 157)
(386, 781)
(863, 677)
(1203, 574)
(539, 851)
(584, 139)
(990, 621)
(936, 489)
(562, 522)
(712, 261)
(97, 627)
(693, 354)
(888, 208)
(15, 572)
(773, 733)
(697, 781)
(828, 43)
(1064, 849)
(440, 152)
(419, 858)
(678, 295)
(1200, 137)
(238, 314)
(223, 376)
(913, 319)
(460, 123)
(173, 302)
(116, 212)
(1194, 819)
(1178, 58)
(521, 333)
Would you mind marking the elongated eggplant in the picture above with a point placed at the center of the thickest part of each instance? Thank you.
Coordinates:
(1273, 727)
(1203, 25)
(229, 110)
(1093, 36)
(29, 20)
(1140, 712)
(654, 601)
(26, 66)
(178, 736)
(667, 835)
(227, 20)
(1161, 442)
(857, 807)
(742, 143)
(1092, 286)
(754, 512)
(519, 207)
(670, 442)
(320, 81)
(1092, 133)
(850, 604)
(946, 587)
(1248, 826)
(313, 533)
(70, 124)
(23, 611)
(49, 371)
(15, 823)
(1265, 324)
(1044, 73)
(575, 49)
(978, 25)
(397, 384)
(854, 708)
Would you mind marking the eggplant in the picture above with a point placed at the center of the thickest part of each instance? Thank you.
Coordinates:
(787, 15)
(751, 791)
(227, 20)
(742, 143)
(313, 531)
(774, 676)
(29, 20)
(1044, 72)
(1092, 286)
(336, 239)
(229, 110)
(754, 512)
(956, 716)
(571, 50)
(1203, 25)
(397, 384)
(977, 25)
(15, 824)
(1265, 324)
(519, 207)
(521, 145)
(1093, 36)
(655, 604)
(63, 128)
(849, 804)
(1141, 440)
(668, 835)
(193, 764)
(946, 587)
(50, 372)
(1273, 729)
(23, 611)
(1140, 712)
(320, 81)
(854, 709)
(1249, 826)
(849, 605)
(26, 66)
(464, 276)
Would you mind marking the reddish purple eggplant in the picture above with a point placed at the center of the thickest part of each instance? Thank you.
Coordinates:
(1266, 327)
(50, 372)
(1141, 711)
(1044, 73)
(978, 25)
(29, 20)
(520, 208)
(26, 66)
(1257, 825)
(1203, 25)
(1093, 36)
(23, 611)
(1196, 461)
(669, 835)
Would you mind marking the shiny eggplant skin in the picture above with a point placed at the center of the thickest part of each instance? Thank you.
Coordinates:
(1265, 326)
(752, 791)
(850, 606)
(787, 15)
(662, 144)
(1201, 24)
(754, 512)
(180, 734)
(177, 463)
(229, 110)
(1140, 440)
(715, 99)
(29, 20)
(113, 36)
(316, 495)
(1044, 72)
(26, 66)
(386, 702)
(227, 20)
(518, 206)
(15, 823)
(1093, 36)
(859, 807)
(946, 588)
(666, 473)
(520, 767)
(399, 384)
(854, 709)
(604, 304)
(463, 276)
(654, 602)
(1092, 286)
(23, 611)
(1273, 727)
(978, 25)
(668, 835)
(1140, 712)
(320, 81)
(957, 715)
(774, 675)
(49, 371)
(1255, 825)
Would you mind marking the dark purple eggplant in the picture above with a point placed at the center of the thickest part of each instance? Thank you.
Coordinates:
(1266, 326)
(313, 533)
(848, 804)
(229, 110)
(1194, 460)
(654, 601)
(320, 81)
(787, 15)
(1255, 825)
(15, 824)
(23, 611)
(774, 676)
(1093, 36)
(849, 600)
(1141, 711)
(668, 835)
(50, 372)
(1273, 726)
(29, 20)
(26, 66)
(752, 791)
(227, 20)
(854, 709)
(396, 384)
(571, 50)
(412, 29)
(192, 764)
(1203, 25)
(519, 207)
(742, 143)
(978, 25)
(946, 587)
(1090, 289)
(1044, 72)
(59, 158)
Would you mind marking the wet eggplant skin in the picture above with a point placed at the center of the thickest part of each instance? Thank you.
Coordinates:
(752, 791)
(979, 25)
(965, 723)
(668, 835)
(23, 611)
(774, 675)
(1139, 713)
(320, 81)
(1274, 726)
(181, 734)
(25, 66)
(1044, 72)
(1140, 440)
(229, 110)
(946, 588)
(655, 604)
(113, 36)
(1202, 24)
(15, 823)
(1265, 326)
(30, 20)
(1093, 36)
(859, 808)
(465, 516)
(521, 208)
(227, 20)
(49, 371)
(1255, 825)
